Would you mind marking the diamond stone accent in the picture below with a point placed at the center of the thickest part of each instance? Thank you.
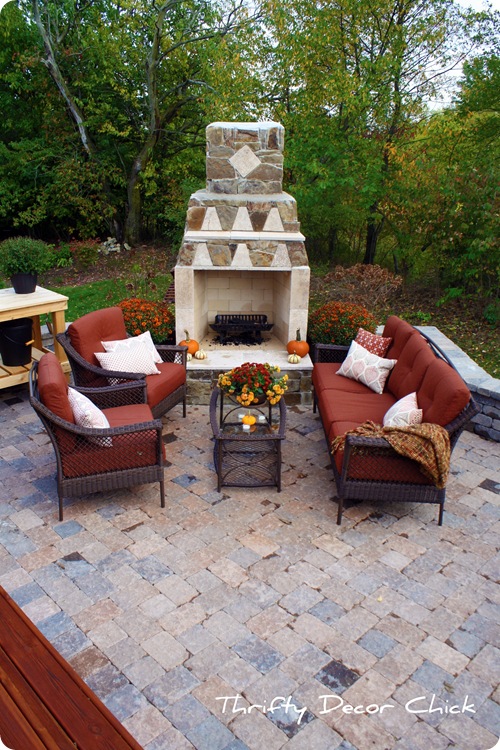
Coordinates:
(245, 161)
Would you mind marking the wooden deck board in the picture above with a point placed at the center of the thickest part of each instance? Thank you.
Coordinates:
(27, 716)
(42, 698)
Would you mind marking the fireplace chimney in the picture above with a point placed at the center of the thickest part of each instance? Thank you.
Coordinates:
(242, 250)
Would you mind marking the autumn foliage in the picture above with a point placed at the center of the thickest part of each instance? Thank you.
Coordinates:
(144, 315)
(338, 323)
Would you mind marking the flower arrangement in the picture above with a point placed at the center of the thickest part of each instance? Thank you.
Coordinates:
(338, 323)
(252, 382)
(145, 315)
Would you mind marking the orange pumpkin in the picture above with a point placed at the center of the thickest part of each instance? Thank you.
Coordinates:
(298, 346)
(191, 344)
(249, 419)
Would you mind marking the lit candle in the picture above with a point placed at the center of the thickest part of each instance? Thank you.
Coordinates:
(246, 427)
(262, 418)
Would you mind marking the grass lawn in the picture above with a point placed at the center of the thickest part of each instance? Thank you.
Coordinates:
(106, 293)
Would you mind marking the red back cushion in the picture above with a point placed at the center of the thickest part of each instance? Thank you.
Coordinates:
(442, 394)
(87, 332)
(53, 388)
(409, 370)
(399, 331)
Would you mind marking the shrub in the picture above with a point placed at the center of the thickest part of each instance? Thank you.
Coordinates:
(85, 253)
(144, 315)
(25, 255)
(363, 283)
(61, 256)
(338, 323)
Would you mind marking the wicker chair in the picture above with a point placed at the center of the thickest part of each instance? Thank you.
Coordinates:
(161, 392)
(130, 452)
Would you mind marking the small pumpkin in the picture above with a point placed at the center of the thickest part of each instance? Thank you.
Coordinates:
(298, 346)
(249, 419)
(191, 344)
(189, 357)
(200, 354)
(294, 358)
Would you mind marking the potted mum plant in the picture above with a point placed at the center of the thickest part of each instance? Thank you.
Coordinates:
(254, 383)
(22, 259)
(338, 323)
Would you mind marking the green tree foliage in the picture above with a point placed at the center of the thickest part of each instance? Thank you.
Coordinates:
(350, 79)
(125, 85)
(444, 208)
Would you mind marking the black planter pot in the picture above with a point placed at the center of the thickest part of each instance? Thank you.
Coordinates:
(24, 283)
(16, 337)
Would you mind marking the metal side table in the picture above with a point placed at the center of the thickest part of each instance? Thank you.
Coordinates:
(247, 458)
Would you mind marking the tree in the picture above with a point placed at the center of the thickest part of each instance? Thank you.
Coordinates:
(445, 203)
(131, 76)
(352, 78)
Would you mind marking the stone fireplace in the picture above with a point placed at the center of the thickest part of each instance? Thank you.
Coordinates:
(242, 251)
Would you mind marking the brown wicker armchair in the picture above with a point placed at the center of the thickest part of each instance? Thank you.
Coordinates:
(83, 339)
(130, 452)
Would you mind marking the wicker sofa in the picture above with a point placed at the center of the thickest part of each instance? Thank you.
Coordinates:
(368, 468)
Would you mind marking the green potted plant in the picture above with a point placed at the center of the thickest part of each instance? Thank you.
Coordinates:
(22, 259)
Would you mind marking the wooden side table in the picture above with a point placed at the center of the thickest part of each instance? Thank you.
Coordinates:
(41, 302)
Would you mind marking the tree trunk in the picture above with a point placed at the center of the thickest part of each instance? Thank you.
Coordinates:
(133, 221)
(332, 245)
(50, 63)
(373, 230)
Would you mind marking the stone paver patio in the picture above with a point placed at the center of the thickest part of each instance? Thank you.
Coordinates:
(249, 619)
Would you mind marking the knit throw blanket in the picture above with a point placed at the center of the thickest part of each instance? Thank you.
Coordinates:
(426, 443)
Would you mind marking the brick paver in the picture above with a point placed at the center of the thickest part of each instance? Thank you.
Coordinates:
(248, 618)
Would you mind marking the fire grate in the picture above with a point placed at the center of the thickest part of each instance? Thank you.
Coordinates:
(247, 326)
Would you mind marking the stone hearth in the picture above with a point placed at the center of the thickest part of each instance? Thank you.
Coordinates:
(242, 251)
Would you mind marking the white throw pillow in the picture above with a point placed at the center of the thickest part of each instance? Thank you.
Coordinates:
(404, 412)
(130, 343)
(366, 368)
(137, 359)
(87, 414)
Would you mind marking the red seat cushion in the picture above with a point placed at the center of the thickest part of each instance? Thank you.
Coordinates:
(370, 466)
(324, 377)
(171, 377)
(351, 409)
(87, 332)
